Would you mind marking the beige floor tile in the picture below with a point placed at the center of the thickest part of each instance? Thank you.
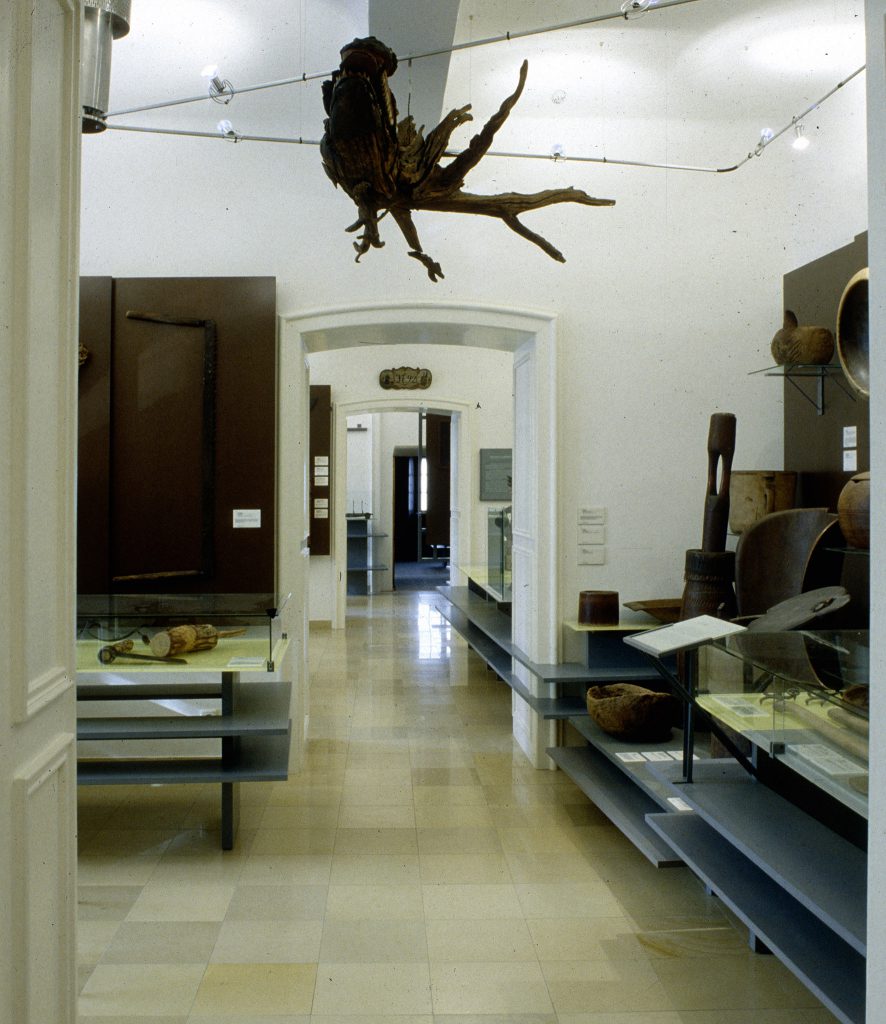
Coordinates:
(455, 868)
(374, 903)
(470, 902)
(504, 939)
(806, 1015)
(731, 982)
(278, 903)
(582, 938)
(458, 816)
(287, 841)
(378, 777)
(372, 1018)
(646, 1017)
(182, 902)
(301, 869)
(458, 840)
(450, 796)
(605, 986)
(429, 776)
(485, 988)
(543, 867)
(567, 899)
(498, 1018)
(128, 1019)
(310, 794)
(258, 989)
(401, 988)
(377, 816)
(106, 902)
(366, 794)
(376, 841)
(299, 816)
(93, 938)
(374, 941)
(378, 869)
(162, 942)
(140, 989)
(537, 840)
(273, 942)
(694, 940)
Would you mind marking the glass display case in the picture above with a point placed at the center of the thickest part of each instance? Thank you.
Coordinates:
(802, 696)
(196, 632)
(498, 551)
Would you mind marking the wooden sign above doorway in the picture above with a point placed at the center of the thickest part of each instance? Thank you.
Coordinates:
(405, 378)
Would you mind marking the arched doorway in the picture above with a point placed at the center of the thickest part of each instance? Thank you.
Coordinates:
(531, 338)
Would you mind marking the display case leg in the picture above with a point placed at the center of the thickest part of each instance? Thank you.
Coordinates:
(230, 814)
(758, 945)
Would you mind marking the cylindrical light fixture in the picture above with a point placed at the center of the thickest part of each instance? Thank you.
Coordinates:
(103, 22)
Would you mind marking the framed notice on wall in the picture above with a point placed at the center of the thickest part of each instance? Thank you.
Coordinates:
(495, 474)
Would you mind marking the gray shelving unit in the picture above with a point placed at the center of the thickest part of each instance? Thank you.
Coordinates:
(252, 726)
(360, 561)
(799, 887)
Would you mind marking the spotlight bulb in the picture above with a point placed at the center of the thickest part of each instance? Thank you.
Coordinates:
(801, 141)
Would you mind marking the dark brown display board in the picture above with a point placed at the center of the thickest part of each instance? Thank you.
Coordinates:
(320, 493)
(177, 436)
(813, 443)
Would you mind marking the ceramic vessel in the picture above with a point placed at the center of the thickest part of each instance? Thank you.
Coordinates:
(598, 607)
(853, 333)
(854, 511)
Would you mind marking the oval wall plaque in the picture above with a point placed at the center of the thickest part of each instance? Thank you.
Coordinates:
(405, 378)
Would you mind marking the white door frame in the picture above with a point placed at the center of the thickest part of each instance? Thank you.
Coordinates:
(534, 335)
(463, 428)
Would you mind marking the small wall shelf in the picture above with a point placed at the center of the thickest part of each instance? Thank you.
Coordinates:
(817, 372)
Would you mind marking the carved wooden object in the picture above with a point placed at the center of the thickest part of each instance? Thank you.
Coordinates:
(184, 639)
(390, 167)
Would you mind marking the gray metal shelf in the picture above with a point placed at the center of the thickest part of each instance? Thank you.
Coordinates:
(819, 869)
(271, 767)
(829, 967)
(618, 797)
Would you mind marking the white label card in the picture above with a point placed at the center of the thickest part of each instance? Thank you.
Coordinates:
(321, 460)
(630, 756)
(321, 513)
(678, 804)
(247, 518)
(656, 755)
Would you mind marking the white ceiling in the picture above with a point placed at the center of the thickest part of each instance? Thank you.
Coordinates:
(756, 62)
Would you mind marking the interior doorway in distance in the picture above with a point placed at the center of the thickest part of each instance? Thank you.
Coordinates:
(421, 507)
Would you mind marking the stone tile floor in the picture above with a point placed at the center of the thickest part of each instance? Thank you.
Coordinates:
(417, 870)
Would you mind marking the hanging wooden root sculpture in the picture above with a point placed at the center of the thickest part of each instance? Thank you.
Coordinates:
(390, 167)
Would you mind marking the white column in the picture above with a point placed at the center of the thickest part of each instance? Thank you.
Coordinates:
(39, 216)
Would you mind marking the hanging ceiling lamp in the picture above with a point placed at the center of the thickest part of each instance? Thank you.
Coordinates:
(103, 22)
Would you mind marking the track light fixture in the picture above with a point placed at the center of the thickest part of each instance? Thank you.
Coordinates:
(226, 130)
(220, 89)
(801, 140)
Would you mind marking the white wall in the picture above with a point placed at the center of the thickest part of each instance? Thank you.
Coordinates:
(360, 496)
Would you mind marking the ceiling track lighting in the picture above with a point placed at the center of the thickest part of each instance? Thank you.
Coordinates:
(226, 130)
(220, 89)
(557, 152)
(636, 8)
(801, 140)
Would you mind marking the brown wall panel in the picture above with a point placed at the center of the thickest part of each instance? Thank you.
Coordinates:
(320, 448)
(161, 432)
(93, 449)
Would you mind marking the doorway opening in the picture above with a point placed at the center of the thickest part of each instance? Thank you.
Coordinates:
(421, 506)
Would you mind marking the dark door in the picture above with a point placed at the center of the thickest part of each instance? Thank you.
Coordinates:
(436, 520)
